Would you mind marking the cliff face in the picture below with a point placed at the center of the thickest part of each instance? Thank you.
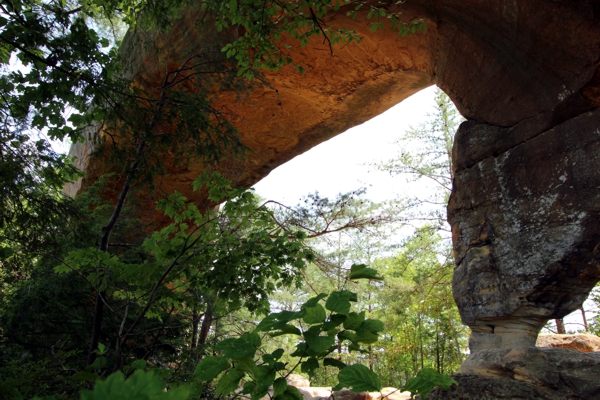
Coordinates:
(525, 204)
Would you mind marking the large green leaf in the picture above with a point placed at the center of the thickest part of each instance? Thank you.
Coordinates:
(246, 364)
(229, 382)
(359, 379)
(309, 366)
(210, 367)
(301, 350)
(354, 320)
(361, 271)
(426, 380)
(315, 314)
(236, 348)
(252, 338)
(332, 362)
(372, 325)
(271, 358)
(270, 322)
(265, 376)
(366, 337)
(277, 320)
(291, 393)
(347, 335)
(279, 386)
(314, 300)
(335, 320)
(287, 329)
(339, 301)
(317, 343)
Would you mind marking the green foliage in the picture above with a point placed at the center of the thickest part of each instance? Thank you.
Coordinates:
(426, 155)
(424, 328)
(265, 23)
(141, 385)
(426, 380)
(318, 333)
(358, 378)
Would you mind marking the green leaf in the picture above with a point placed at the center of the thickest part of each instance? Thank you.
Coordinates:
(101, 349)
(235, 348)
(268, 323)
(6, 253)
(371, 325)
(287, 329)
(210, 367)
(270, 358)
(335, 320)
(347, 335)
(249, 387)
(426, 380)
(291, 393)
(359, 379)
(251, 338)
(300, 350)
(246, 364)
(229, 382)
(314, 300)
(86, 376)
(265, 376)
(332, 362)
(314, 315)
(354, 320)
(139, 364)
(98, 363)
(277, 320)
(339, 301)
(361, 271)
(366, 337)
(232, 5)
(309, 366)
(318, 343)
(279, 386)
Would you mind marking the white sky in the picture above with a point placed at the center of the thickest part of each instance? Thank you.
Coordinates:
(338, 165)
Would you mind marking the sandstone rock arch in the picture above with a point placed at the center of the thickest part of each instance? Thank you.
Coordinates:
(525, 209)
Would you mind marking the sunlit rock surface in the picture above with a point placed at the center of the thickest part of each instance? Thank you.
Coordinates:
(584, 343)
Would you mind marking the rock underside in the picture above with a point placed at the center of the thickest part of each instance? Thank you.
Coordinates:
(525, 204)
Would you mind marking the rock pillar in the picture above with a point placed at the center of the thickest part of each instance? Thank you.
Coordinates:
(525, 217)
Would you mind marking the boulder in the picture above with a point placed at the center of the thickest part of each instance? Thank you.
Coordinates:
(391, 393)
(297, 381)
(527, 373)
(581, 342)
(325, 393)
(315, 392)
(472, 387)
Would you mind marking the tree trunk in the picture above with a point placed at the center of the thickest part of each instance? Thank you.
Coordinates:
(96, 326)
(206, 323)
(195, 322)
(585, 324)
(560, 326)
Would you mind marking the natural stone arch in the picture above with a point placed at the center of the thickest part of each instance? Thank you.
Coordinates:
(525, 205)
